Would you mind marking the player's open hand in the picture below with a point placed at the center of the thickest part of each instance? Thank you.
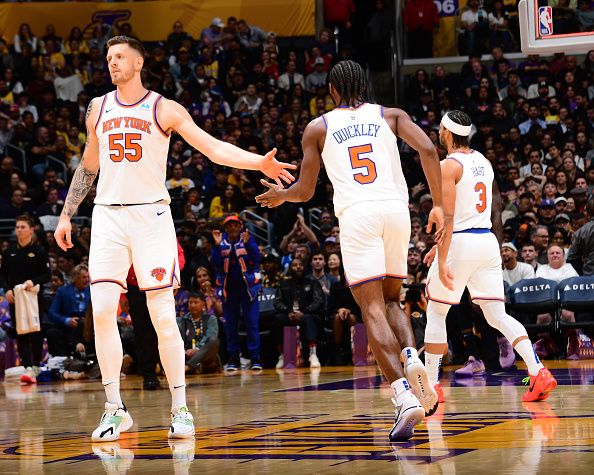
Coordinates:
(271, 198)
(446, 277)
(63, 233)
(430, 256)
(437, 218)
(276, 170)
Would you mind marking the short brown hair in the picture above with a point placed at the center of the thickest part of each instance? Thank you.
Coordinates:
(127, 40)
(27, 219)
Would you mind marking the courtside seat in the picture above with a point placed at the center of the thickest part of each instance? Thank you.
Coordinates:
(577, 295)
(532, 297)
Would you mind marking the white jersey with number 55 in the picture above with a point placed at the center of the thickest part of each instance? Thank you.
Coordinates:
(361, 157)
(474, 191)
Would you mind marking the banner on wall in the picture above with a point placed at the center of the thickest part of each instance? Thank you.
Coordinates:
(152, 21)
(444, 40)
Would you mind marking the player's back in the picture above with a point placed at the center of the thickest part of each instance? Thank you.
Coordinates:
(474, 191)
(133, 152)
(361, 157)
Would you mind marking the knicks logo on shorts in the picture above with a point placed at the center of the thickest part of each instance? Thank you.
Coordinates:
(158, 273)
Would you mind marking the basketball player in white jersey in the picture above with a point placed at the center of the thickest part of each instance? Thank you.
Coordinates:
(473, 257)
(128, 133)
(357, 144)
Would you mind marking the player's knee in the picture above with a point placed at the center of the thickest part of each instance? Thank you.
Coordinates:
(105, 297)
(435, 331)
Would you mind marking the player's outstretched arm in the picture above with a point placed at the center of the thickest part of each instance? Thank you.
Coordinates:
(305, 187)
(82, 180)
(173, 116)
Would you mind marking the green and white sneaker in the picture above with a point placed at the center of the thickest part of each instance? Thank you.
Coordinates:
(182, 423)
(114, 421)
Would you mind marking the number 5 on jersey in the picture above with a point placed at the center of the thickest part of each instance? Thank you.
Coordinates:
(366, 163)
(125, 146)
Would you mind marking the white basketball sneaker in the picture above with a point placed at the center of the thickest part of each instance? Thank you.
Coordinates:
(114, 421)
(417, 377)
(408, 414)
(182, 423)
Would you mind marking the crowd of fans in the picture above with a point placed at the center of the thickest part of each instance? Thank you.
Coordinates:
(534, 121)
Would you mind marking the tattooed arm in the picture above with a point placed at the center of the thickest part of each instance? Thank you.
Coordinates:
(83, 179)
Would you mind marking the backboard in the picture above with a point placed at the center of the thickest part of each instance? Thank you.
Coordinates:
(544, 29)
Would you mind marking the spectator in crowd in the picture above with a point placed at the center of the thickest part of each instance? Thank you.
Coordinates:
(250, 36)
(300, 301)
(475, 27)
(236, 259)
(421, 19)
(225, 203)
(556, 268)
(338, 15)
(200, 330)
(318, 272)
(67, 312)
(343, 312)
(514, 271)
(581, 252)
(318, 78)
(25, 263)
(540, 239)
(290, 78)
(178, 180)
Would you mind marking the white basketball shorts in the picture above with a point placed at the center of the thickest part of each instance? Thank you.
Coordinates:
(374, 237)
(142, 235)
(474, 261)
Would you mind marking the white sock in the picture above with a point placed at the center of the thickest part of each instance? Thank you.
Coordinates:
(524, 348)
(400, 388)
(112, 392)
(409, 353)
(432, 365)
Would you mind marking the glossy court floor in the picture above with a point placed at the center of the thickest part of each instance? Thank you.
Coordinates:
(332, 421)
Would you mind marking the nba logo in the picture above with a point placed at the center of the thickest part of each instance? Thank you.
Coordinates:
(545, 21)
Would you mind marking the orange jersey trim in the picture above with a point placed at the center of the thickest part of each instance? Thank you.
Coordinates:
(111, 281)
(101, 111)
(368, 279)
(121, 104)
(487, 298)
(157, 120)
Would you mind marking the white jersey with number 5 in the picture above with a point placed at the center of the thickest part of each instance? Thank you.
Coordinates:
(361, 157)
(474, 191)
(133, 152)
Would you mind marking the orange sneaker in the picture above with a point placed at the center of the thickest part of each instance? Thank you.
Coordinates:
(540, 386)
(439, 391)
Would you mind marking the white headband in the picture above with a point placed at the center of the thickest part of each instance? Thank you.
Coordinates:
(455, 128)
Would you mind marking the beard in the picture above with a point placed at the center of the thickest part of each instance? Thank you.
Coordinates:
(121, 77)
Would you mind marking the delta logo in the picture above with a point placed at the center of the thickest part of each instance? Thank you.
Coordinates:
(159, 273)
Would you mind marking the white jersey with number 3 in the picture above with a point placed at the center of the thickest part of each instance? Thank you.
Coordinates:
(133, 152)
(361, 157)
(474, 191)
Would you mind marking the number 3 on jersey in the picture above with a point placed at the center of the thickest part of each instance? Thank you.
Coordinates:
(481, 189)
(125, 146)
(358, 162)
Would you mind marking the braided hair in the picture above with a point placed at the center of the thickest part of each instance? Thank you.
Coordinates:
(348, 78)
(461, 118)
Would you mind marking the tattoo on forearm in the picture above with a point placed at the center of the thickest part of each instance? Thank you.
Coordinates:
(89, 109)
(82, 181)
